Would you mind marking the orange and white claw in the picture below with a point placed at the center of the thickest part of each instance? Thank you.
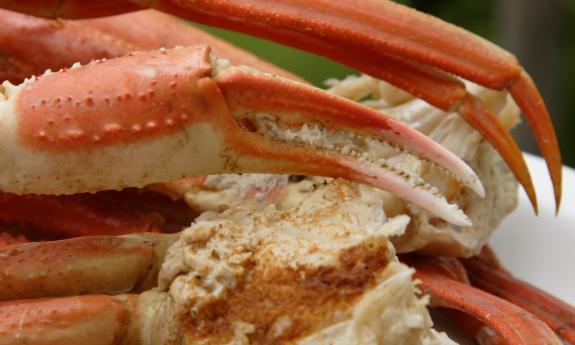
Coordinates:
(158, 116)
(409, 49)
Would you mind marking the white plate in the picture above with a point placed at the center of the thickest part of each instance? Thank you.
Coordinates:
(541, 249)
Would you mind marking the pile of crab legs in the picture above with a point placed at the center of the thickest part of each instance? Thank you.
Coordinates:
(412, 51)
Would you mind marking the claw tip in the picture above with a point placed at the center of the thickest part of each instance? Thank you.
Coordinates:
(557, 190)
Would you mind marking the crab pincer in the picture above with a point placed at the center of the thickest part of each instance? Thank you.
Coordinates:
(409, 49)
(168, 114)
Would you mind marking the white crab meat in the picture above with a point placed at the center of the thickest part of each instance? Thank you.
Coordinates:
(323, 272)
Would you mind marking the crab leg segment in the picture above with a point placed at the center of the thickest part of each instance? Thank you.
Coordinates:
(75, 215)
(166, 112)
(40, 44)
(515, 325)
(31, 45)
(89, 320)
(168, 32)
(488, 276)
(104, 213)
(530, 101)
(98, 264)
(66, 9)
(68, 267)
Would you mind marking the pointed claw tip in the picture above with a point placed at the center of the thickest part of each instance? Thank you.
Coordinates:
(531, 195)
(478, 188)
(465, 222)
(557, 189)
(556, 180)
(470, 178)
(529, 100)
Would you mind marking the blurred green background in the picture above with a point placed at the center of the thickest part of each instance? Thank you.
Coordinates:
(540, 33)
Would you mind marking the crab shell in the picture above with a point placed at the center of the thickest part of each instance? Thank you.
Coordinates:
(411, 50)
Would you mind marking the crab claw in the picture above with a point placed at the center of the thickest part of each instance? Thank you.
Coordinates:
(163, 115)
(409, 49)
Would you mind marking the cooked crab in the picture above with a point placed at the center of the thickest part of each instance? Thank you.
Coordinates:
(60, 138)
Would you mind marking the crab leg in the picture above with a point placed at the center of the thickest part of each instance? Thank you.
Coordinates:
(100, 265)
(168, 32)
(31, 45)
(40, 44)
(486, 273)
(94, 264)
(510, 322)
(396, 42)
(104, 213)
(88, 320)
(167, 111)
(74, 215)
(453, 269)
